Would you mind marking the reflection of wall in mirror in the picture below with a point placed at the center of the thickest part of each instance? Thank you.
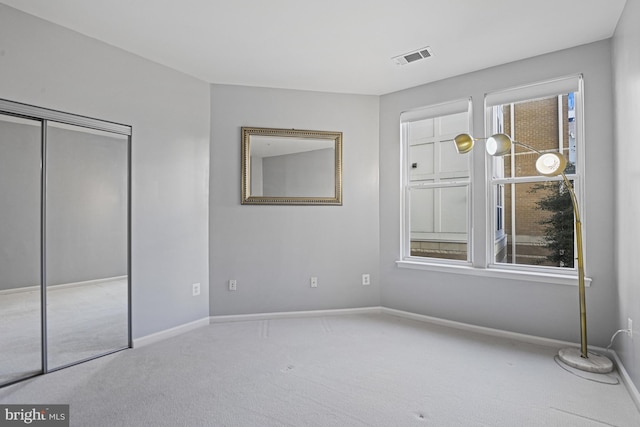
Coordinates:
(86, 206)
(256, 176)
(306, 174)
(19, 204)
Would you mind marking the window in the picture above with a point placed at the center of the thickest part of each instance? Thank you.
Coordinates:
(436, 184)
(527, 230)
(533, 222)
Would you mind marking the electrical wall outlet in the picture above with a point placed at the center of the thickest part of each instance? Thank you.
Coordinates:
(630, 327)
(314, 282)
(366, 279)
(195, 289)
(233, 285)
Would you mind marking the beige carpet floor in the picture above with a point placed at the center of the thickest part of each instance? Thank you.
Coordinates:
(347, 370)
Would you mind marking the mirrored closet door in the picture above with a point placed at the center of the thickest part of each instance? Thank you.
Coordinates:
(64, 240)
(86, 243)
(20, 250)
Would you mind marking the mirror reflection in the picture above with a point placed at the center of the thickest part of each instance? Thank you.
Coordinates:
(64, 240)
(86, 243)
(288, 166)
(20, 300)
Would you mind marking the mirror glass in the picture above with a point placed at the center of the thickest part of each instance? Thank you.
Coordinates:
(64, 239)
(20, 297)
(288, 166)
(86, 243)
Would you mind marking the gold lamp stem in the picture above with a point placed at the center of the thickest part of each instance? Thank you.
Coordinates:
(551, 165)
(581, 287)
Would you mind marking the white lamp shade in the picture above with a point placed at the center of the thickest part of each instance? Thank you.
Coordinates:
(551, 164)
(498, 144)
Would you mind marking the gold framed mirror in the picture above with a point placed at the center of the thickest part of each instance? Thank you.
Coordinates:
(291, 167)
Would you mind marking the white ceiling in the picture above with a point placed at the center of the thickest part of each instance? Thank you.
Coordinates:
(332, 45)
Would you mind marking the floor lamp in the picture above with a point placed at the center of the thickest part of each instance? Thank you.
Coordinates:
(552, 164)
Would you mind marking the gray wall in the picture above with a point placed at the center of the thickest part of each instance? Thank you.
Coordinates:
(626, 63)
(546, 310)
(49, 66)
(272, 251)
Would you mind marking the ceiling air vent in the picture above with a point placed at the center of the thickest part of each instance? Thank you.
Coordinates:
(416, 55)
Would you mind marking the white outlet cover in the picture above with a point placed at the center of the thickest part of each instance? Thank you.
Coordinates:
(195, 289)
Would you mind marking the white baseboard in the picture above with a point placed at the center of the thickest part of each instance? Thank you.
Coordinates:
(32, 288)
(168, 333)
(531, 339)
(626, 380)
(292, 314)
(181, 329)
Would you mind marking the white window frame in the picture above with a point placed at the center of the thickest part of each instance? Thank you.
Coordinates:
(528, 93)
(488, 268)
(434, 111)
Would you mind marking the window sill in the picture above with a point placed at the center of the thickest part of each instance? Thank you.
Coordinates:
(493, 272)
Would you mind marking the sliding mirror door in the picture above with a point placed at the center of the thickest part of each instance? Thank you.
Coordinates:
(87, 260)
(65, 210)
(20, 248)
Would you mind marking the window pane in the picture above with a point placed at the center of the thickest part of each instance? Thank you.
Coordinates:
(453, 164)
(538, 225)
(452, 123)
(439, 222)
(546, 124)
(437, 179)
(432, 153)
(421, 162)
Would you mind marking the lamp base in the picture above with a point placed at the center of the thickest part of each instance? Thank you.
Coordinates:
(594, 363)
